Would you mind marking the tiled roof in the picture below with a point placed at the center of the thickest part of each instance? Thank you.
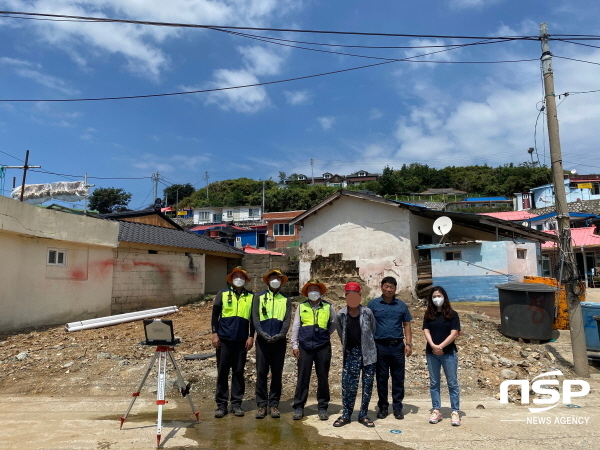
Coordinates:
(142, 233)
(585, 236)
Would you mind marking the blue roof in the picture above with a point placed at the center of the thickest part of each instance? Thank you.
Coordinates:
(553, 214)
(485, 199)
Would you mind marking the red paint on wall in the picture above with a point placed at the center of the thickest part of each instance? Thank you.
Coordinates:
(78, 275)
(160, 267)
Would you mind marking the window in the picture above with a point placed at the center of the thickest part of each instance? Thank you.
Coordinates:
(326, 175)
(452, 256)
(595, 189)
(283, 229)
(229, 213)
(521, 253)
(153, 252)
(203, 215)
(362, 174)
(238, 239)
(57, 257)
(336, 184)
(302, 177)
(254, 212)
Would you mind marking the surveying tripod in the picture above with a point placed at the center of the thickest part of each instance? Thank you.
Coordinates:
(162, 352)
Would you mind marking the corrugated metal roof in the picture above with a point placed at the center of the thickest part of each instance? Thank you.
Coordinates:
(510, 215)
(142, 233)
(585, 236)
(485, 199)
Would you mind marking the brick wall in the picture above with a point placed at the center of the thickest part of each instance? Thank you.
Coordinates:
(145, 281)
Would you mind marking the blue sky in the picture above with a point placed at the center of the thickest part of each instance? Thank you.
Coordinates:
(436, 114)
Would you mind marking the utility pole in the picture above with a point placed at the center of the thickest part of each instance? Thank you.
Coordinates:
(25, 168)
(312, 170)
(155, 178)
(262, 211)
(206, 177)
(568, 263)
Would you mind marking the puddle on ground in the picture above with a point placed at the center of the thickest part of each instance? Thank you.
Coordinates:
(242, 433)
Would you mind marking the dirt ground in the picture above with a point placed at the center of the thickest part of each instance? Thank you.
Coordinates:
(53, 362)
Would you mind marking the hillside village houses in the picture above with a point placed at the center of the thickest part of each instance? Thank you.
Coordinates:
(335, 180)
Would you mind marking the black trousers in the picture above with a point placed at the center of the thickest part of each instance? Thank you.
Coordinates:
(390, 361)
(269, 357)
(231, 357)
(321, 357)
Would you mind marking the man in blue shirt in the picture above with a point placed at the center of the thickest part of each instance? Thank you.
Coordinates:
(393, 339)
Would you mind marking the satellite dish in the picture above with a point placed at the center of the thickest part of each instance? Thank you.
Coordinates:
(574, 171)
(442, 226)
(525, 224)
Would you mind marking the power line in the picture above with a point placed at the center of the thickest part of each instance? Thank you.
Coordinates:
(578, 60)
(287, 30)
(95, 178)
(266, 83)
(14, 157)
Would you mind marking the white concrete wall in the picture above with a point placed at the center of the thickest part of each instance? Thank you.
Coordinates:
(376, 236)
(144, 281)
(522, 267)
(33, 293)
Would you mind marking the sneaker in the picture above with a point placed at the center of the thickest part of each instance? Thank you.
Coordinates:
(275, 414)
(398, 414)
(220, 412)
(323, 414)
(237, 411)
(383, 413)
(455, 418)
(261, 412)
(436, 416)
(298, 414)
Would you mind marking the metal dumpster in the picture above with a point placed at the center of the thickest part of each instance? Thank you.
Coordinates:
(526, 310)
(590, 314)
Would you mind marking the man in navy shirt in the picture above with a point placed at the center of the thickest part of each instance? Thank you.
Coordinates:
(393, 338)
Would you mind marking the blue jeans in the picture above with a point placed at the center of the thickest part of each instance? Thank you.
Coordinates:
(450, 364)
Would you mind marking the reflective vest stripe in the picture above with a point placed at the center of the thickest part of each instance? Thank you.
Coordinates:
(234, 306)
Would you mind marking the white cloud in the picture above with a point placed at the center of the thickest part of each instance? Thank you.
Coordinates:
(49, 81)
(138, 45)
(326, 122)
(261, 61)
(431, 53)
(375, 114)
(465, 4)
(297, 97)
(244, 100)
(167, 164)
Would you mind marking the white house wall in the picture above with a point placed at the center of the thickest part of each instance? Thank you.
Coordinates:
(374, 235)
(34, 293)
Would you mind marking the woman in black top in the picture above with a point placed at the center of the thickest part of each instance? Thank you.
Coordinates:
(441, 326)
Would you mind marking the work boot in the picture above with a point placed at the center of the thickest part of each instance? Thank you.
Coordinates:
(398, 414)
(261, 412)
(237, 411)
(275, 414)
(323, 414)
(220, 412)
(298, 414)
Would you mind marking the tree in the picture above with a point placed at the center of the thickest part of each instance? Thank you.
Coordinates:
(388, 181)
(109, 200)
(177, 192)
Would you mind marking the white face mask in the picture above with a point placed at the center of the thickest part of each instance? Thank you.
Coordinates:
(314, 295)
(239, 282)
(438, 301)
(275, 283)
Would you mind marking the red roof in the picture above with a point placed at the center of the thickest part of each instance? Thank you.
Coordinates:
(255, 251)
(585, 236)
(206, 227)
(510, 215)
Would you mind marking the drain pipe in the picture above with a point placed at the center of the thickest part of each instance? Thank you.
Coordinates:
(119, 318)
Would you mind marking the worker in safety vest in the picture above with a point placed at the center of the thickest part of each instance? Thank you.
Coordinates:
(314, 322)
(233, 337)
(271, 313)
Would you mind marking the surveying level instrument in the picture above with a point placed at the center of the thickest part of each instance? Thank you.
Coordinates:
(159, 333)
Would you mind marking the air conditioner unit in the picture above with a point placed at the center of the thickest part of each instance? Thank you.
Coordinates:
(270, 238)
